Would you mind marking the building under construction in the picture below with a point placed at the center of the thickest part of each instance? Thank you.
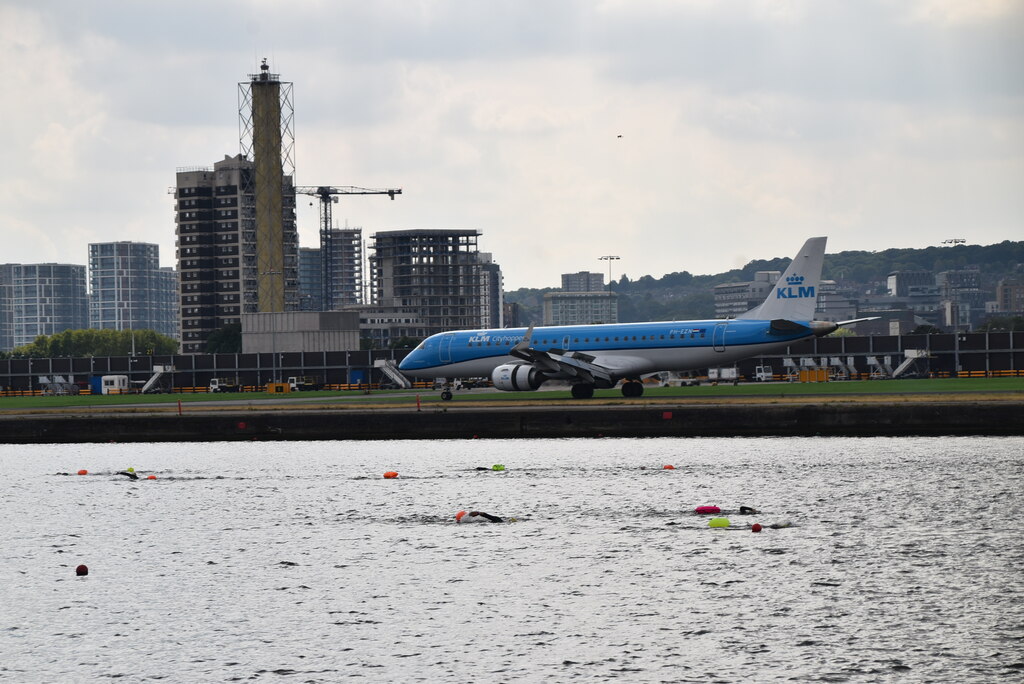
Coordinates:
(438, 273)
(237, 241)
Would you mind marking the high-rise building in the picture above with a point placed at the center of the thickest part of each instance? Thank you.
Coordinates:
(217, 248)
(580, 308)
(129, 291)
(311, 296)
(346, 264)
(6, 307)
(41, 299)
(735, 299)
(440, 274)
(582, 300)
(582, 282)
(1009, 294)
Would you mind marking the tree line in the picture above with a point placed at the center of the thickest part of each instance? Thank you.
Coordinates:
(90, 342)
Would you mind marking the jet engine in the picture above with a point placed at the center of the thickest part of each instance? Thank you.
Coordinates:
(517, 377)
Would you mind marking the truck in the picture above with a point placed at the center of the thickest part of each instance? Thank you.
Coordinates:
(716, 375)
(224, 385)
(305, 383)
(763, 374)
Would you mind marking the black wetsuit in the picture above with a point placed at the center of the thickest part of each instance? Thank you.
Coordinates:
(492, 518)
(132, 476)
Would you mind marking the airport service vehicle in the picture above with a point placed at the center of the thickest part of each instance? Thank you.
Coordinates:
(304, 383)
(599, 356)
(224, 385)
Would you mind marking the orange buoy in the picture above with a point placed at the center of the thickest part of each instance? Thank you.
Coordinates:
(82, 570)
(83, 471)
(390, 475)
(151, 477)
(756, 527)
(668, 467)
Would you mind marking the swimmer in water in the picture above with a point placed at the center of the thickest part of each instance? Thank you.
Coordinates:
(476, 516)
(747, 510)
(130, 473)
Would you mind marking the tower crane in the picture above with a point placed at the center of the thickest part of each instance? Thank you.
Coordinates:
(329, 195)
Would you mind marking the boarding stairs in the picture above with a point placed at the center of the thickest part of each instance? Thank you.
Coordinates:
(837, 369)
(792, 372)
(912, 356)
(57, 386)
(158, 372)
(880, 370)
(390, 369)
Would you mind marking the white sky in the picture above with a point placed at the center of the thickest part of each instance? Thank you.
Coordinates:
(747, 125)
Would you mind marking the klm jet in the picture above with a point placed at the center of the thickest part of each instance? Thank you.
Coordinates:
(599, 356)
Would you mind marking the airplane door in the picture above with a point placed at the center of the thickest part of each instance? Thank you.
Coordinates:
(445, 349)
(718, 337)
(565, 342)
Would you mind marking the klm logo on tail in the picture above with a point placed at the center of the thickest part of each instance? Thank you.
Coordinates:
(794, 289)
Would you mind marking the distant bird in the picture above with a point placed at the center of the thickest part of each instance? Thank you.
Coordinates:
(619, 136)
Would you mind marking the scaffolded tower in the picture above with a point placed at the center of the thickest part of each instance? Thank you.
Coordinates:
(266, 136)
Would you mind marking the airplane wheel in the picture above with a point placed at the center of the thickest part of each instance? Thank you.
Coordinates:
(446, 395)
(582, 391)
(632, 389)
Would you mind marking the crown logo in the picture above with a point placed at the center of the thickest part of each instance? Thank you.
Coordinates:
(795, 280)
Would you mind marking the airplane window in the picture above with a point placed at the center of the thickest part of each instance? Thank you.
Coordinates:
(586, 339)
(535, 341)
(691, 336)
(634, 338)
(662, 337)
(672, 337)
(606, 339)
(576, 341)
(702, 333)
(488, 343)
(616, 339)
(642, 337)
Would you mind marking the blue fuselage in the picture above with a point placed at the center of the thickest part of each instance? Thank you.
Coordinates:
(628, 349)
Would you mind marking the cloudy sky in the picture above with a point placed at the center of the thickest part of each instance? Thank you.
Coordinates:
(676, 134)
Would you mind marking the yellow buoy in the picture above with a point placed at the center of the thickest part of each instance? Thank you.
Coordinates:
(718, 522)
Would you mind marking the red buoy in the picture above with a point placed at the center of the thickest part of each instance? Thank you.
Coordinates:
(390, 475)
(668, 467)
(151, 477)
(756, 527)
(83, 471)
(82, 570)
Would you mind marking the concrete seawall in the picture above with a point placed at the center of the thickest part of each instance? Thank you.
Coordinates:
(466, 422)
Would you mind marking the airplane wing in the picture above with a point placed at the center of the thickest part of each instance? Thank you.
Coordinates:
(574, 364)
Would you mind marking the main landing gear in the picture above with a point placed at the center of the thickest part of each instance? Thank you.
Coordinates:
(582, 390)
(632, 389)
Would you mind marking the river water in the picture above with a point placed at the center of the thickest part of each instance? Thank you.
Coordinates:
(298, 561)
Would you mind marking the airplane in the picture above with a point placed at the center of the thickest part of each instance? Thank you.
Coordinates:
(600, 355)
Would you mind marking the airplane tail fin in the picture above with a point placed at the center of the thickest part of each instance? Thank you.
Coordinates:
(795, 295)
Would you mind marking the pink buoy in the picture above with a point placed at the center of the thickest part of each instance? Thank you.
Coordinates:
(707, 510)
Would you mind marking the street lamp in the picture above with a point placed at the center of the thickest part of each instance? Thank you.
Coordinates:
(609, 258)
